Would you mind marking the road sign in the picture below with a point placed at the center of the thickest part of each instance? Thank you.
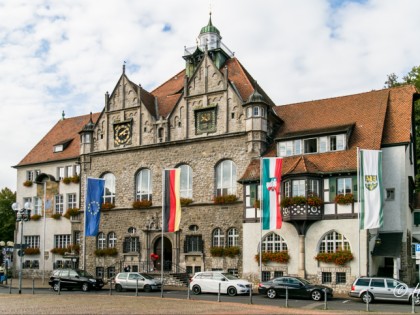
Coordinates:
(417, 253)
(21, 252)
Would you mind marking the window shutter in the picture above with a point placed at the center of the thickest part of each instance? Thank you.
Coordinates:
(333, 188)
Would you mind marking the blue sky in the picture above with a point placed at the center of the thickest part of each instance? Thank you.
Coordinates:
(64, 55)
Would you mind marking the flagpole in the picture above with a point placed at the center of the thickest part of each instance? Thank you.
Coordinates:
(84, 224)
(161, 240)
(45, 221)
(358, 212)
(261, 217)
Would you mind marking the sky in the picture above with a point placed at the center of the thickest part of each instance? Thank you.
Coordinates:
(64, 55)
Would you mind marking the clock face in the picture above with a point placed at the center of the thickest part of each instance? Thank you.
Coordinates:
(206, 121)
(122, 133)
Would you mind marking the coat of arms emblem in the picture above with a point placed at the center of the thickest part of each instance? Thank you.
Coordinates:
(371, 182)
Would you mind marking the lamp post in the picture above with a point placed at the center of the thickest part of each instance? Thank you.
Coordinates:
(22, 215)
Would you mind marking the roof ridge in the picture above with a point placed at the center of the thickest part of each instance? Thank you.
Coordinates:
(153, 91)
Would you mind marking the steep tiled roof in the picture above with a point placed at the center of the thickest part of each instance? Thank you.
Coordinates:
(168, 93)
(63, 131)
(376, 118)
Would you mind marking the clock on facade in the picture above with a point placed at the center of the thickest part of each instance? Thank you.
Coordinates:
(206, 120)
(122, 133)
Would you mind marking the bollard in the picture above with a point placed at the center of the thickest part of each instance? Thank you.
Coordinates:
(188, 292)
(325, 299)
(33, 285)
(218, 293)
(287, 297)
(110, 287)
(250, 295)
(59, 287)
(10, 286)
(413, 310)
(137, 286)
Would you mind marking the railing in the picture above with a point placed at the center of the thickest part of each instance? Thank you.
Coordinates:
(190, 50)
(302, 212)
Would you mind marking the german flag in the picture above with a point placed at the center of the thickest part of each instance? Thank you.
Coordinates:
(171, 210)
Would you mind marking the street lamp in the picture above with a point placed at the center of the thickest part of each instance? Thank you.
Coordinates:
(22, 215)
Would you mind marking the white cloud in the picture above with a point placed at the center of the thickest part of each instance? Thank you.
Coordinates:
(64, 55)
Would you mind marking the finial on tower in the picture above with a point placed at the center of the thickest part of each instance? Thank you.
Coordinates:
(124, 67)
(62, 115)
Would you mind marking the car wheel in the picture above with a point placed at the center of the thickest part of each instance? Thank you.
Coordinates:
(271, 293)
(231, 291)
(416, 300)
(316, 295)
(367, 297)
(196, 289)
(56, 286)
(147, 288)
(85, 287)
(118, 287)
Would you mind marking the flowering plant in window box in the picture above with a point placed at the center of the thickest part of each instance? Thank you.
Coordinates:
(344, 199)
(185, 201)
(27, 183)
(340, 257)
(75, 179)
(314, 201)
(279, 257)
(56, 216)
(296, 200)
(66, 180)
(107, 205)
(225, 199)
(59, 250)
(106, 252)
(74, 248)
(36, 217)
(218, 251)
(140, 204)
(257, 204)
(32, 251)
(71, 212)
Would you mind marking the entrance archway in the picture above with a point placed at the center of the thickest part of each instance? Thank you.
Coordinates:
(167, 252)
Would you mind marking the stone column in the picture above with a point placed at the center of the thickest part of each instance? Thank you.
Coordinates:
(301, 270)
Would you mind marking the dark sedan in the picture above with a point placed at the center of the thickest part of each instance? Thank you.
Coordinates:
(74, 279)
(295, 287)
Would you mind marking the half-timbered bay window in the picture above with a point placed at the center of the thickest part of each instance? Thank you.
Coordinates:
(301, 187)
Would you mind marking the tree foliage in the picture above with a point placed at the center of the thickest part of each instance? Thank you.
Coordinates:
(412, 77)
(7, 215)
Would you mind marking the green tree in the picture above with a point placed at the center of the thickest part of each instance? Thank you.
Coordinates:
(412, 77)
(7, 215)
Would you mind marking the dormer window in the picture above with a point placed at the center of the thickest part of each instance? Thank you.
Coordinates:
(61, 146)
(312, 145)
(255, 111)
(58, 148)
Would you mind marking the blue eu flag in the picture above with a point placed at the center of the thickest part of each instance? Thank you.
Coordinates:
(94, 193)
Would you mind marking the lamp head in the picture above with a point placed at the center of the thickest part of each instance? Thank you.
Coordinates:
(15, 206)
(2, 243)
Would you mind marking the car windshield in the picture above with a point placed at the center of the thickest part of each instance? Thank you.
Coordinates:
(229, 276)
(84, 274)
(146, 276)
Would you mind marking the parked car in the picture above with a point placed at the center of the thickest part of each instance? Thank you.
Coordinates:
(296, 288)
(129, 280)
(209, 281)
(382, 288)
(74, 279)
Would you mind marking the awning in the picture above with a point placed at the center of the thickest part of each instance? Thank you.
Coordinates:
(390, 245)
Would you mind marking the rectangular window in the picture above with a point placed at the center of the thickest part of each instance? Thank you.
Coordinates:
(131, 244)
(30, 175)
(37, 206)
(77, 170)
(313, 188)
(60, 173)
(337, 143)
(326, 277)
(71, 201)
(340, 278)
(310, 145)
(298, 188)
(278, 273)
(32, 241)
(416, 218)
(69, 171)
(390, 194)
(193, 243)
(62, 240)
(233, 271)
(76, 237)
(100, 272)
(289, 148)
(344, 186)
(287, 189)
(281, 149)
(266, 275)
(298, 147)
(323, 144)
(111, 272)
(58, 204)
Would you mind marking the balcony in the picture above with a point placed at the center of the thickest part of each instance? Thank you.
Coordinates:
(302, 212)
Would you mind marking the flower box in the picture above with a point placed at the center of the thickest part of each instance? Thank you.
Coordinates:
(36, 217)
(218, 251)
(340, 257)
(66, 180)
(59, 250)
(27, 183)
(279, 257)
(185, 201)
(107, 205)
(32, 251)
(71, 212)
(344, 199)
(225, 199)
(141, 204)
(56, 216)
(75, 179)
(106, 252)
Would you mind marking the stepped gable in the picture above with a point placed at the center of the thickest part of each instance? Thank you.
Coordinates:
(64, 131)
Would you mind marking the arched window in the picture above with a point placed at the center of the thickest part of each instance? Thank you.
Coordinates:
(132, 230)
(218, 238)
(273, 243)
(226, 178)
(332, 242)
(233, 237)
(109, 191)
(144, 185)
(186, 181)
(101, 241)
(256, 111)
(112, 239)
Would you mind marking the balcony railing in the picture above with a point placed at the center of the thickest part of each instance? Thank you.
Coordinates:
(302, 212)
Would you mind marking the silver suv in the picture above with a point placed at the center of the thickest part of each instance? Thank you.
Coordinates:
(130, 280)
(379, 288)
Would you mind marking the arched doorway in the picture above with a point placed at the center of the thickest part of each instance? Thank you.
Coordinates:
(167, 252)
